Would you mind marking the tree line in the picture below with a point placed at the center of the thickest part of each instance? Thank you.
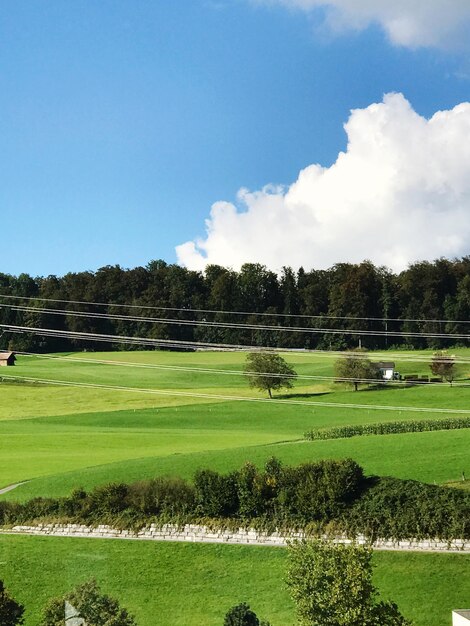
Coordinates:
(425, 299)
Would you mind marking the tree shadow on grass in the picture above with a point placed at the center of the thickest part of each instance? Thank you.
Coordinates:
(379, 387)
(383, 386)
(294, 396)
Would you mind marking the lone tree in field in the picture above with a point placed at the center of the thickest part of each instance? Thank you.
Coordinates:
(11, 612)
(443, 365)
(355, 368)
(268, 371)
(94, 607)
(331, 585)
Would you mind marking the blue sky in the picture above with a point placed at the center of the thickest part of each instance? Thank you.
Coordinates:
(123, 122)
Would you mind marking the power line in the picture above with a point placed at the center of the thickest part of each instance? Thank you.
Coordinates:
(224, 312)
(215, 371)
(312, 405)
(185, 345)
(211, 370)
(238, 326)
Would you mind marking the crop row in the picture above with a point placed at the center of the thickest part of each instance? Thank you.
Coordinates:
(388, 428)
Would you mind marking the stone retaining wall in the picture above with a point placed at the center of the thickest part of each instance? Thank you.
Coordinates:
(202, 534)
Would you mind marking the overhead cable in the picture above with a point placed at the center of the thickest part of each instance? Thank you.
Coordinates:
(215, 371)
(311, 405)
(238, 326)
(225, 312)
(188, 345)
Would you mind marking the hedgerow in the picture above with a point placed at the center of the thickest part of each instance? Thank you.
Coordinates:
(326, 496)
(388, 428)
(405, 509)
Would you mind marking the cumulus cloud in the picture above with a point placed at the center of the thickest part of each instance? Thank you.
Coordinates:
(399, 193)
(406, 22)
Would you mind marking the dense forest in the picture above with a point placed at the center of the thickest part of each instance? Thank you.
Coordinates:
(427, 305)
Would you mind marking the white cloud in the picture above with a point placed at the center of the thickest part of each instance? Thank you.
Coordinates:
(400, 193)
(406, 22)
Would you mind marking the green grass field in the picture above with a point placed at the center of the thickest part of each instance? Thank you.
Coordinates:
(178, 584)
(59, 437)
(51, 432)
(431, 457)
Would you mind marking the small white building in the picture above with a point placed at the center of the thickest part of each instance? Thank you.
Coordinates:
(387, 369)
(461, 617)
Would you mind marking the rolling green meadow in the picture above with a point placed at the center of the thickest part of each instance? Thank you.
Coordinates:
(124, 416)
(195, 584)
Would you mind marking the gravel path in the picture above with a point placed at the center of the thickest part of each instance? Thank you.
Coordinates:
(11, 487)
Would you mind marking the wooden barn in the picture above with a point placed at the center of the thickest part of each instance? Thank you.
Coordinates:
(7, 358)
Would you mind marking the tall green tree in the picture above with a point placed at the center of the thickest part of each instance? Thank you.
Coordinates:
(355, 294)
(443, 365)
(268, 371)
(331, 585)
(356, 368)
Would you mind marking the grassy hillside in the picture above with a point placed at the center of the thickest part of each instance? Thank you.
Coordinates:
(430, 457)
(215, 373)
(64, 436)
(61, 437)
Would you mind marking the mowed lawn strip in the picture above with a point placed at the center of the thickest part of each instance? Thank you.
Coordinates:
(172, 584)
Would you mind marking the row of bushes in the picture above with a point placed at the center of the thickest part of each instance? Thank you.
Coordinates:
(388, 428)
(327, 495)
(310, 492)
(403, 509)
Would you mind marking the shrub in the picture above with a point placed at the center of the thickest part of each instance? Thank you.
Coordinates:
(75, 504)
(402, 509)
(242, 615)
(319, 491)
(94, 607)
(252, 492)
(216, 495)
(107, 501)
(9, 512)
(38, 508)
(166, 496)
(11, 612)
(273, 476)
(331, 585)
(328, 492)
